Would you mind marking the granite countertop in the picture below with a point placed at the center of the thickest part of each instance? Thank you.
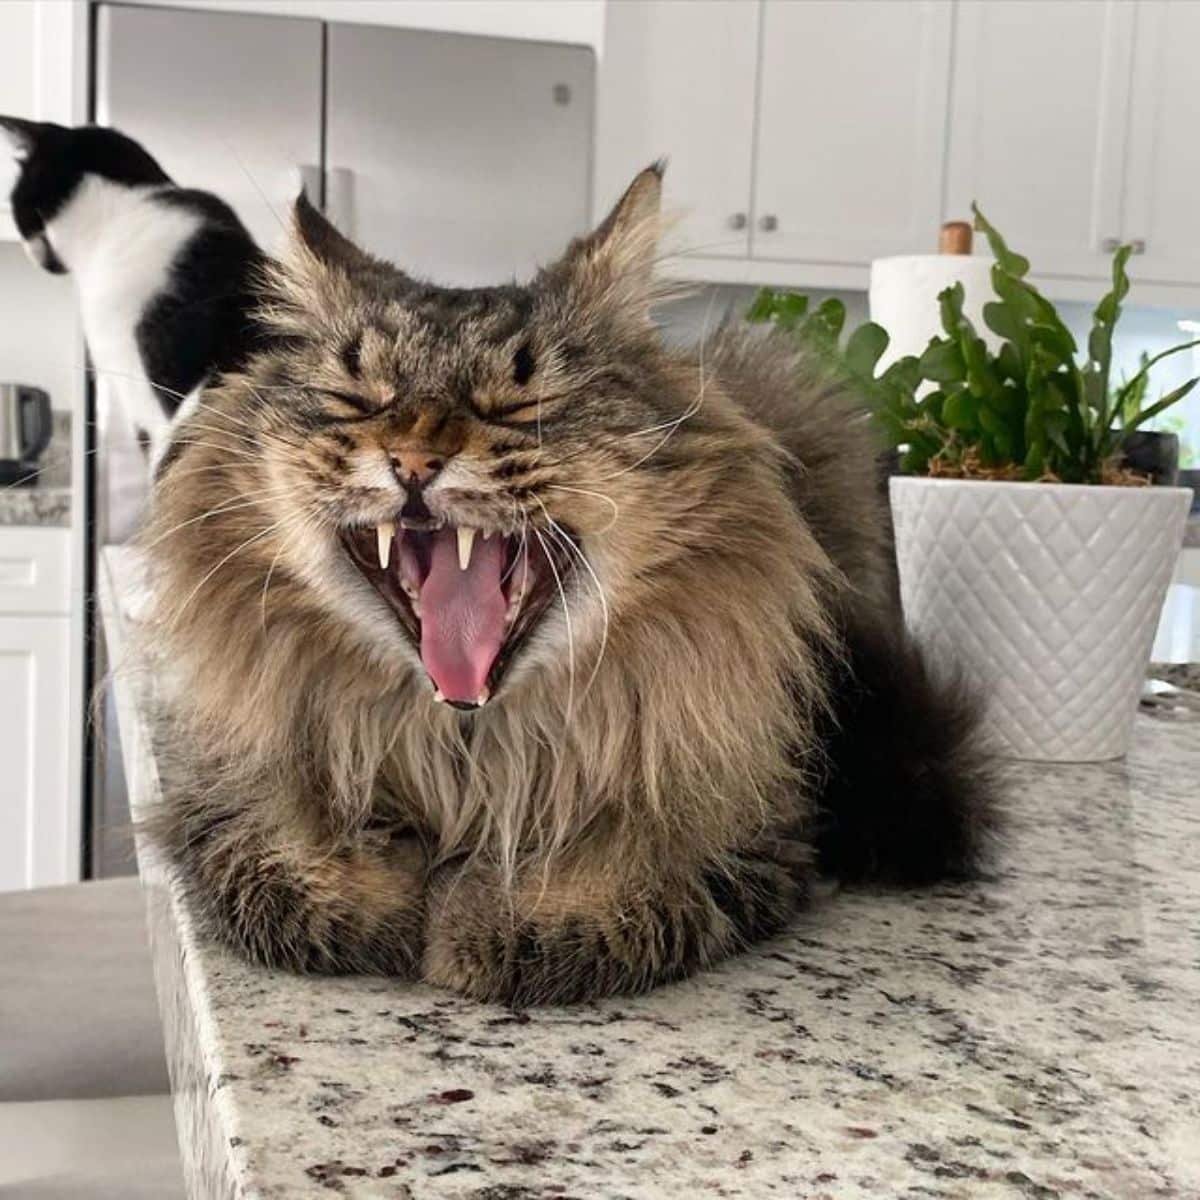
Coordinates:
(1029, 1036)
(47, 501)
(35, 505)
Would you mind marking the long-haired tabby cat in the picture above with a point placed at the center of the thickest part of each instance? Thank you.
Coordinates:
(503, 647)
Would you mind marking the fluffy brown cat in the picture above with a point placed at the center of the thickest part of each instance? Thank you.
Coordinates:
(502, 646)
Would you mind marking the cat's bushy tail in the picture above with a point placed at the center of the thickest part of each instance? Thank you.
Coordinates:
(908, 795)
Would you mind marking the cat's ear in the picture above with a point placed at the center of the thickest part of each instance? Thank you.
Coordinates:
(615, 262)
(21, 135)
(314, 234)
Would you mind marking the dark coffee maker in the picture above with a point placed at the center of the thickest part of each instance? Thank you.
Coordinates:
(25, 426)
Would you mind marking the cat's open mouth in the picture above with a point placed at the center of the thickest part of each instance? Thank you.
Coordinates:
(468, 598)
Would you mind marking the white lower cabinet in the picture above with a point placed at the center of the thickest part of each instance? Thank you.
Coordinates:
(39, 827)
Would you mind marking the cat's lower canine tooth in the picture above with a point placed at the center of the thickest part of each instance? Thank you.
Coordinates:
(384, 532)
(466, 539)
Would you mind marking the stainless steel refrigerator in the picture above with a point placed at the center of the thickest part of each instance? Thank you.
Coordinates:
(463, 159)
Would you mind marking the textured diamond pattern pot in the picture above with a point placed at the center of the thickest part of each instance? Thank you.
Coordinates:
(1048, 594)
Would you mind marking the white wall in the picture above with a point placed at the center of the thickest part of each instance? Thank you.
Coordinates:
(39, 328)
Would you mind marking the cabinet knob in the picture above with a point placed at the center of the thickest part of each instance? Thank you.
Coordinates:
(769, 223)
(737, 221)
(1110, 244)
(1138, 245)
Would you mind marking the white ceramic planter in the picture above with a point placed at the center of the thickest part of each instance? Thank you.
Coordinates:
(1048, 594)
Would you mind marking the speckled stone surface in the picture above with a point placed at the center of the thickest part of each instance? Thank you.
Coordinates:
(1030, 1036)
(35, 505)
(47, 501)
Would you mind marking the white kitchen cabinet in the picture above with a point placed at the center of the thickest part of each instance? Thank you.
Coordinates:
(1162, 177)
(39, 823)
(678, 80)
(1073, 123)
(852, 112)
(43, 50)
(39, 808)
(1039, 108)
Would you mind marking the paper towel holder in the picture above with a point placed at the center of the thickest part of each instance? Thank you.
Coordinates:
(955, 238)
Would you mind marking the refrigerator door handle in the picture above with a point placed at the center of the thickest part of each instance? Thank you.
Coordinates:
(306, 178)
(339, 198)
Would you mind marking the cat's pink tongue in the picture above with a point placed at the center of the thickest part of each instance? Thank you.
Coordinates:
(462, 615)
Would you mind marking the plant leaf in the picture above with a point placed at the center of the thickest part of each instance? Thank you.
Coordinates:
(865, 348)
(942, 362)
(1014, 264)
(1162, 405)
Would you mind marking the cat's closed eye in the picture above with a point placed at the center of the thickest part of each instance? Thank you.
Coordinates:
(524, 364)
(362, 407)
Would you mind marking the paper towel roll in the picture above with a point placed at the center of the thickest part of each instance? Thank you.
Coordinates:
(904, 291)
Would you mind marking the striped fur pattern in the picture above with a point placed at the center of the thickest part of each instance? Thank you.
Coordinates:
(641, 796)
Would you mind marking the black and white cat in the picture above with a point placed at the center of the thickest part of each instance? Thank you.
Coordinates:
(164, 273)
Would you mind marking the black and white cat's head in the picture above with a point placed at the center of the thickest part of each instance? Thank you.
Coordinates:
(60, 169)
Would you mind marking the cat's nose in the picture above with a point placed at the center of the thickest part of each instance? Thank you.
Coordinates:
(415, 468)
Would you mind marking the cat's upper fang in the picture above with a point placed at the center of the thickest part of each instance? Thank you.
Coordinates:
(385, 531)
(466, 540)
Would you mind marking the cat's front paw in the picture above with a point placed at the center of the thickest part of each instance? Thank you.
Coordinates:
(521, 964)
(476, 943)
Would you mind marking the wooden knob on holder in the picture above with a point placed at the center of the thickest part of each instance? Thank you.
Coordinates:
(955, 238)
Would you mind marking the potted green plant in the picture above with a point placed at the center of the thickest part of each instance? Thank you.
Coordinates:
(1029, 547)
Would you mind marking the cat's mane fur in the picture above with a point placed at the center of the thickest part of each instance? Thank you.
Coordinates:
(657, 767)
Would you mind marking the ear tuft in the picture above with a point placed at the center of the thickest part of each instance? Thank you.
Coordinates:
(316, 234)
(638, 210)
(617, 259)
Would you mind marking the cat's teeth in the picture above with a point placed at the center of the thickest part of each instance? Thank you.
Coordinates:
(384, 532)
(483, 697)
(466, 539)
(438, 697)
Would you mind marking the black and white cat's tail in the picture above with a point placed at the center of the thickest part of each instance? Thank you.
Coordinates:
(909, 797)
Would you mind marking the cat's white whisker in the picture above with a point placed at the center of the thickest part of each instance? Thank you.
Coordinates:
(565, 539)
(296, 522)
(616, 510)
(240, 503)
(570, 709)
(177, 611)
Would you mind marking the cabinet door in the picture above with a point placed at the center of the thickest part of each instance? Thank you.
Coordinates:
(39, 830)
(462, 159)
(1162, 182)
(677, 80)
(851, 127)
(1037, 126)
(227, 102)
